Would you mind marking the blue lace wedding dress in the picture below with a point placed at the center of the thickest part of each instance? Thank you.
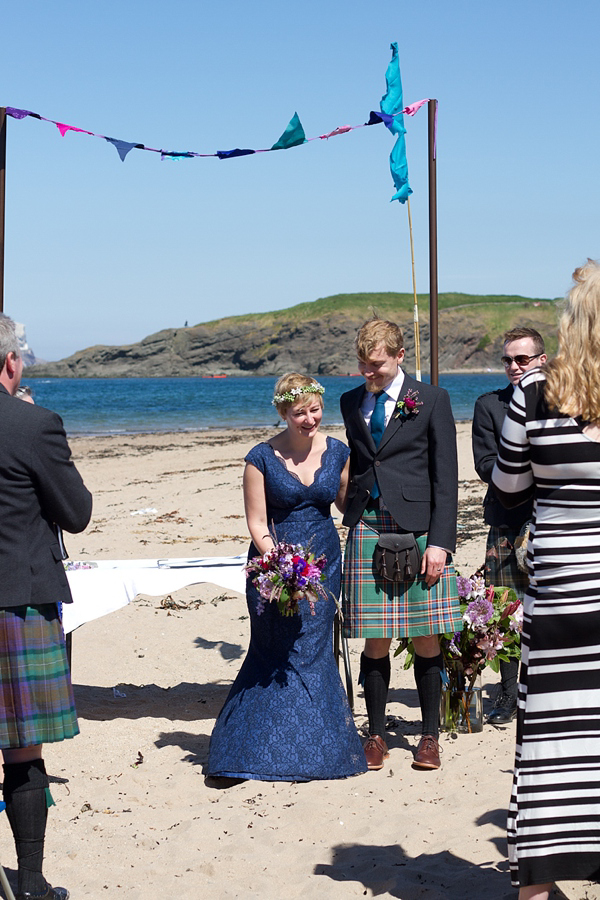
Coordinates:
(287, 717)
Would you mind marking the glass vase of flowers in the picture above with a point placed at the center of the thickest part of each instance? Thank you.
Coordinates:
(492, 619)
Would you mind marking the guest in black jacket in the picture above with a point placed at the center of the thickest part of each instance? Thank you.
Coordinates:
(39, 488)
(523, 350)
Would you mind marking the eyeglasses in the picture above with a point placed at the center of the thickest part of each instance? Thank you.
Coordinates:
(520, 360)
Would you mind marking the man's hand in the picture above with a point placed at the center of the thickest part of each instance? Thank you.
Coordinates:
(432, 564)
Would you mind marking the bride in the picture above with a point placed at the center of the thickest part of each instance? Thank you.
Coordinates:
(287, 717)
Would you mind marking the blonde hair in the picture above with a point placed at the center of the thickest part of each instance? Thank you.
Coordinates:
(573, 376)
(293, 388)
(378, 331)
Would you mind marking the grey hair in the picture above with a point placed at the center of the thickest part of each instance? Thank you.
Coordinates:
(9, 343)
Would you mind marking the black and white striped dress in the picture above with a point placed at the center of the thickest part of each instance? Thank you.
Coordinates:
(554, 814)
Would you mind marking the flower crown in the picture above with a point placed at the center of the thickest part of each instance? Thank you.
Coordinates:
(292, 396)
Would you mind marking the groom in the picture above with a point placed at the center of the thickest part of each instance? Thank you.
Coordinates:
(403, 478)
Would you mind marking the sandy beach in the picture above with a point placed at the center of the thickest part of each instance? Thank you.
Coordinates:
(133, 816)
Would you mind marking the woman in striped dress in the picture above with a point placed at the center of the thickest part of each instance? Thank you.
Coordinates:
(550, 449)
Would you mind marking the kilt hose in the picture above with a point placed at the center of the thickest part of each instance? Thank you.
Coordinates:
(376, 608)
(36, 696)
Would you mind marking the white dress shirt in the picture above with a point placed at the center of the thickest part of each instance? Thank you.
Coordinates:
(393, 395)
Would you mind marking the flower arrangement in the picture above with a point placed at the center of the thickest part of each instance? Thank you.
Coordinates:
(492, 622)
(284, 574)
(493, 619)
(408, 405)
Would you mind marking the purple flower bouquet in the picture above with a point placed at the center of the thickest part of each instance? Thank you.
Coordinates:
(286, 573)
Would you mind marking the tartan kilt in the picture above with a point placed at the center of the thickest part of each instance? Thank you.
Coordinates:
(36, 696)
(376, 608)
(501, 568)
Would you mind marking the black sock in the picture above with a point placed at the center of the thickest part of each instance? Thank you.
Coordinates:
(509, 675)
(428, 675)
(375, 678)
(24, 792)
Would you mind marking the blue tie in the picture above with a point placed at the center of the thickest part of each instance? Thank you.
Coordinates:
(377, 429)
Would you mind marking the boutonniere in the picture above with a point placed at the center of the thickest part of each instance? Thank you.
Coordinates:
(409, 405)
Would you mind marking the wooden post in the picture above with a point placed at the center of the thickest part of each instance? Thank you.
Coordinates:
(417, 332)
(2, 198)
(433, 267)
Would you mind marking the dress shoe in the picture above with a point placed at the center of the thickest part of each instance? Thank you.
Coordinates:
(375, 752)
(504, 711)
(428, 753)
(57, 893)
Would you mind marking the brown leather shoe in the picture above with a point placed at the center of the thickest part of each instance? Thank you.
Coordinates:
(375, 752)
(428, 753)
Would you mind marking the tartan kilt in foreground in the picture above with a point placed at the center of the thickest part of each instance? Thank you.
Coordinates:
(501, 567)
(375, 608)
(36, 696)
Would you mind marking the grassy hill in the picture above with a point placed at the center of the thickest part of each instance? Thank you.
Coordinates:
(498, 312)
(318, 337)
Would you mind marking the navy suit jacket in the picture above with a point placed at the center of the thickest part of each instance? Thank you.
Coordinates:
(39, 487)
(488, 418)
(416, 464)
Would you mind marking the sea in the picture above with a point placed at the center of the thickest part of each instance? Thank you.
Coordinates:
(100, 406)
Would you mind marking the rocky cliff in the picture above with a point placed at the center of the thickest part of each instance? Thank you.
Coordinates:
(323, 345)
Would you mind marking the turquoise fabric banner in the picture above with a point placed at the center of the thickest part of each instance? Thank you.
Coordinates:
(391, 104)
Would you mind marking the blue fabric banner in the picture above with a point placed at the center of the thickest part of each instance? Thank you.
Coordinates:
(391, 104)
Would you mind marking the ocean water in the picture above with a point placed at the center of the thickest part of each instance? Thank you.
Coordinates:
(143, 405)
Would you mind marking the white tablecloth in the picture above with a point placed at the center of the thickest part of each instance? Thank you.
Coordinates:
(114, 583)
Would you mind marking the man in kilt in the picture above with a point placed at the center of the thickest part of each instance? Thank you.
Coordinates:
(40, 489)
(523, 350)
(403, 479)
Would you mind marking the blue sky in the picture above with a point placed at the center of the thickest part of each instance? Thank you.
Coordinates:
(104, 252)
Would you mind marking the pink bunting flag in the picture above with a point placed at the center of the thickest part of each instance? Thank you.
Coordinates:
(343, 129)
(412, 108)
(64, 128)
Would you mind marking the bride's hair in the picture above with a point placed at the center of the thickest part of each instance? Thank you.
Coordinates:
(573, 376)
(295, 388)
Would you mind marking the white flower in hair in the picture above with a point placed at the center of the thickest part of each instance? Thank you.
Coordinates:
(294, 393)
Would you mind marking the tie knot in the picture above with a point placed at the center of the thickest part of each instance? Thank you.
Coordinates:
(380, 398)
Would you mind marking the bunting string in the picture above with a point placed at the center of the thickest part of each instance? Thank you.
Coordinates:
(293, 136)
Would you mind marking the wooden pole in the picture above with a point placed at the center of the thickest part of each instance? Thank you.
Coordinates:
(2, 198)
(433, 267)
(416, 301)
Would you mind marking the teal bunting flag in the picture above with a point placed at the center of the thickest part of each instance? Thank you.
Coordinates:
(391, 103)
(293, 135)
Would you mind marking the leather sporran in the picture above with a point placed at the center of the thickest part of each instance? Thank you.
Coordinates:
(397, 557)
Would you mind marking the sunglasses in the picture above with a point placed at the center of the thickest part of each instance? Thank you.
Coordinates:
(520, 360)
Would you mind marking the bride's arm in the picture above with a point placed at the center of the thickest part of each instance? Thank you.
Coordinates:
(255, 505)
(340, 500)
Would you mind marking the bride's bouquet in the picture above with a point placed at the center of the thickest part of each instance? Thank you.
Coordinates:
(286, 573)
